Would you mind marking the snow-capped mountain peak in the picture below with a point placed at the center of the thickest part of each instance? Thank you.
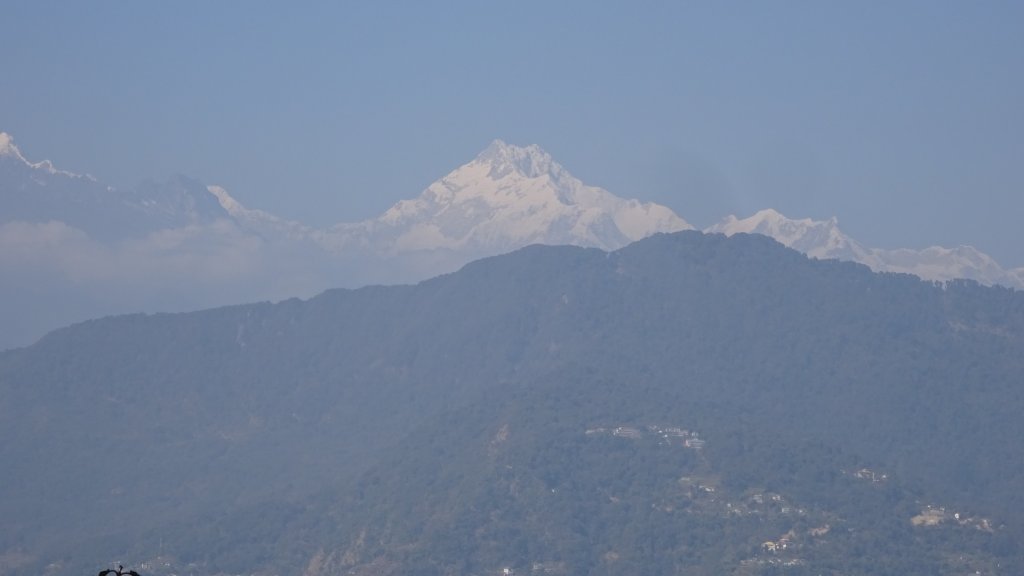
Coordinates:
(816, 238)
(823, 239)
(505, 174)
(770, 219)
(7, 147)
(508, 197)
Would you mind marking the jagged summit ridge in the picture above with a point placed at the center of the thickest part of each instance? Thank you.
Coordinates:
(9, 150)
(816, 238)
(530, 161)
(823, 239)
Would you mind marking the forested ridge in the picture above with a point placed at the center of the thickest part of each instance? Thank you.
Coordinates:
(468, 423)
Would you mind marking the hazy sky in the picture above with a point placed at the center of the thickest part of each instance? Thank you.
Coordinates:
(903, 119)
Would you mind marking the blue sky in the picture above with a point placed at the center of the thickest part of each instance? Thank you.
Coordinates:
(903, 119)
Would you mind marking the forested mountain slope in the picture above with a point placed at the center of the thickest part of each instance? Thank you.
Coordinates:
(350, 431)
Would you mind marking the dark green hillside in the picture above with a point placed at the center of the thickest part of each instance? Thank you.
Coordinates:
(274, 434)
(185, 417)
(596, 479)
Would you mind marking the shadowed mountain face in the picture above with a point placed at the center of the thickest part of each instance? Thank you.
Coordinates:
(350, 432)
(38, 193)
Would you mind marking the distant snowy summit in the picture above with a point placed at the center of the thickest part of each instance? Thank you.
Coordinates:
(509, 197)
(505, 198)
(817, 239)
(823, 240)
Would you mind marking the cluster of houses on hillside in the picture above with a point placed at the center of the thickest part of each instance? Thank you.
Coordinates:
(668, 435)
(868, 474)
(935, 515)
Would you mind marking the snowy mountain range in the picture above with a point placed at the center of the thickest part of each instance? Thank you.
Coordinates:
(72, 248)
(823, 239)
(509, 197)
